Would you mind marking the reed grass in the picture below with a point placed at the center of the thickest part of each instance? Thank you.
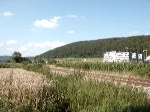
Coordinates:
(24, 91)
(95, 96)
(41, 91)
(134, 69)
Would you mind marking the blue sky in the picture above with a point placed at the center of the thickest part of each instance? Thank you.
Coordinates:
(35, 26)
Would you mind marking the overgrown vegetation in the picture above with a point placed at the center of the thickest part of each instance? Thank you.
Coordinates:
(94, 96)
(39, 68)
(9, 65)
(17, 58)
(136, 69)
(67, 94)
(23, 91)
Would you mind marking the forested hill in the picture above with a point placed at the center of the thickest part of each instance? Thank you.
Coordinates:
(96, 48)
(4, 58)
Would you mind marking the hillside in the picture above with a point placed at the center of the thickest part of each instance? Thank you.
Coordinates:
(96, 48)
(4, 58)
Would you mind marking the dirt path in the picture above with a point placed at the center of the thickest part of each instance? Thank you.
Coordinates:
(135, 82)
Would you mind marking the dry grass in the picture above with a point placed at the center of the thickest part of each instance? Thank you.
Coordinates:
(18, 84)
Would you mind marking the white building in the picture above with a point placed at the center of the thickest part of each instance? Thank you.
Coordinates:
(114, 56)
(134, 56)
(147, 59)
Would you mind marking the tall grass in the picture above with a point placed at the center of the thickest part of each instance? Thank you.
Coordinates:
(80, 60)
(9, 65)
(39, 68)
(23, 91)
(90, 96)
(136, 69)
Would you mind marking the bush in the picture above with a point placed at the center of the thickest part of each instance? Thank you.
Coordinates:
(94, 96)
(52, 61)
(10, 65)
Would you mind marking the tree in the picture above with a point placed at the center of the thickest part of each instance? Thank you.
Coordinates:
(96, 48)
(25, 60)
(17, 57)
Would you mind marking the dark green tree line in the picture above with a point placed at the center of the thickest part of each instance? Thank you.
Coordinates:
(96, 48)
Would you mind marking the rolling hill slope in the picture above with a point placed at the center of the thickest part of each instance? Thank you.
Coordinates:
(4, 58)
(96, 48)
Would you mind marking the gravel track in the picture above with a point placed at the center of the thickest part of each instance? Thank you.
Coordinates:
(135, 82)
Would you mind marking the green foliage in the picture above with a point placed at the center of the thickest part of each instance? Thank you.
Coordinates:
(52, 61)
(26, 60)
(94, 96)
(6, 61)
(39, 68)
(47, 100)
(9, 65)
(17, 57)
(137, 69)
(59, 102)
(73, 94)
(39, 61)
(96, 48)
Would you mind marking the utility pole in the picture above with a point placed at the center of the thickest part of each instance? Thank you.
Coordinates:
(130, 53)
(126, 48)
(145, 52)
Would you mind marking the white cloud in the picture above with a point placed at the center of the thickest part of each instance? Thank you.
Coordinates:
(11, 42)
(23, 49)
(46, 44)
(71, 16)
(53, 23)
(2, 44)
(40, 47)
(10, 49)
(71, 32)
(30, 44)
(55, 19)
(146, 33)
(31, 49)
(134, 33)
(8, 14)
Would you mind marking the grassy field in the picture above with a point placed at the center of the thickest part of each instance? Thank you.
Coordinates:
(24, 91)
(20, 80)
(80, 60)
(141, 70)
(41, 91)
(93, 96)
